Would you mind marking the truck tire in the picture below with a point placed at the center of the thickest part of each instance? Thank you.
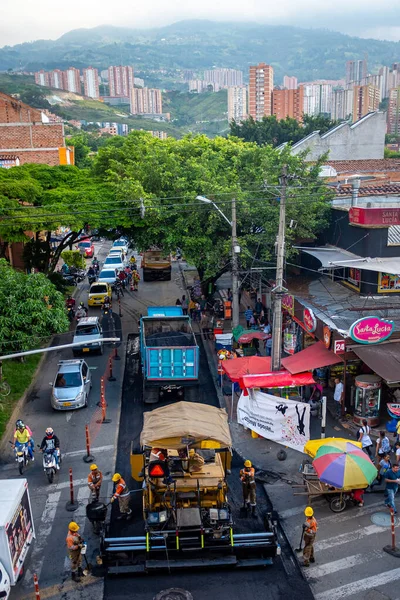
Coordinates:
(150, 395)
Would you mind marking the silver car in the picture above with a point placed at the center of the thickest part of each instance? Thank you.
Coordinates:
(71, 386)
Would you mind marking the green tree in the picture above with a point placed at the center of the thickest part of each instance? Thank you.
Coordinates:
(73, 258)
(35, 97)
(32, 309)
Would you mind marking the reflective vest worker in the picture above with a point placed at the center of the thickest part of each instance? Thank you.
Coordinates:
(95, 479)
(123, 496)
(247, 477)
(74, 546)
(310, 529)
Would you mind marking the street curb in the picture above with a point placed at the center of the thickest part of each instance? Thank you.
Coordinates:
(9, 432)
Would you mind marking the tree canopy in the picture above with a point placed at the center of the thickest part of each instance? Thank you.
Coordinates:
(272, 131)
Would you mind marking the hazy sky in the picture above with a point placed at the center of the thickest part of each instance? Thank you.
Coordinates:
(27, 20)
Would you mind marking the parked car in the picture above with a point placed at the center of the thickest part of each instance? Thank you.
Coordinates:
(107, 276)
(121, 244)
(87, 248)
(71, 385)
(114, 262)
(88, 330)
(97, 292)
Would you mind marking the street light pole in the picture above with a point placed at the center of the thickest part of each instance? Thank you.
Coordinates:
(235, 287)
(279, 289)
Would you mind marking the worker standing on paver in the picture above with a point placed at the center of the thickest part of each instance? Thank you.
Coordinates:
(74, 546)
(247, 477)
(310, 528)
(95, 479)
(121, 494)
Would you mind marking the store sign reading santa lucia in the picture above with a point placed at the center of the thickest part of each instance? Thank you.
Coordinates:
(309, 320)
(371, 330)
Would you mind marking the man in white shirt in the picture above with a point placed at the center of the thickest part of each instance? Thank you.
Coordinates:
(338, 396)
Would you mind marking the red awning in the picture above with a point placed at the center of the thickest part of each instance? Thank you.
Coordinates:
(246, 337)
(276, 379)
(313, 357)
(237, 367)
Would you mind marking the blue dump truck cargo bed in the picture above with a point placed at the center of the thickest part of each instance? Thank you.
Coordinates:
(169, 353)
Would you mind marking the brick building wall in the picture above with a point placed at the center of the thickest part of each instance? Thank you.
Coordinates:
(14, 111)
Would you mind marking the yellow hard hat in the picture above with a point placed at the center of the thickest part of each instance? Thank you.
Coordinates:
(309, 511)
(247, 463)
(93, 467)
(191, 452)
(116, 477)
(73, 526)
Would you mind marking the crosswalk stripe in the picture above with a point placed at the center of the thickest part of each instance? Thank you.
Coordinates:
(42, 533)
(350, 516)
(341, 564)
(355, 587)
(351, 536)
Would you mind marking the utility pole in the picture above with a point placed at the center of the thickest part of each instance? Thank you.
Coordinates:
(279, 290)
(235, 251)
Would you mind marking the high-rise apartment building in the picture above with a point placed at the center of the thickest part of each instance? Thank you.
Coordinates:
(121, 81)
(224, 77)
(288, 103)
(317, 98)
(57, 79)
(356, 71)
(42, 78)
(145, 101)
(290, 83)
(72, 80)
(393, 113)
(385, 73)
(366, 99)
(91, 82)
(237, 103)
(342, 104)
(260, 91)
(377, 81)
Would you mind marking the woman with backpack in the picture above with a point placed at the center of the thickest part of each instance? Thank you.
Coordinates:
(364, 438)
(382, 446)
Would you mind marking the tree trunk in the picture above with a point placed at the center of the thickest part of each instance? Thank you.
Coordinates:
(68, 240)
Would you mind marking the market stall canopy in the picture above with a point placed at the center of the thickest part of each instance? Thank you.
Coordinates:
(247, 336)
(383, 359)
(344, 465)
(310, 358)
(312, 446)
(185, 424)
(276, 379)
(237, 367)
(329, 256)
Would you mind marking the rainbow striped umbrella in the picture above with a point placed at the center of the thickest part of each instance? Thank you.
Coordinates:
(344, 465)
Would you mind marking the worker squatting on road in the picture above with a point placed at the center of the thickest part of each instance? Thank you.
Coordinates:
(74, 547)
(95, 479)
(310, 528)
(247, 477)
(121, 494)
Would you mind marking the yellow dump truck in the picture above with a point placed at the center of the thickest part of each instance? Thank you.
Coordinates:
(183, 463)
(156, 264)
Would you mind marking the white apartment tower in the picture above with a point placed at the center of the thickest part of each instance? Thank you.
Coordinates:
(237, 103)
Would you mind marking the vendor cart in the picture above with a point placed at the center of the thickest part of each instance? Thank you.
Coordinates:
(313, 488)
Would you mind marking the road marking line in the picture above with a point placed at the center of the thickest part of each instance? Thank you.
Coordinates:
(361, 585)
(43, 532)
(56, 591)
(340, 518)
(79, 452)
(339, 565)
(77, 483)
(351, 536)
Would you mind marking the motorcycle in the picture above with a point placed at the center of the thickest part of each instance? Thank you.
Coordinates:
(92, 278)
(81, 313)
(21, 456)
(70, 313)
(50, 463)
(78, 274)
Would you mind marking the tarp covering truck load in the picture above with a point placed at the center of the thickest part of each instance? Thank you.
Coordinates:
(16, 531)
(169, 353)
(156, 264)
(183, 462)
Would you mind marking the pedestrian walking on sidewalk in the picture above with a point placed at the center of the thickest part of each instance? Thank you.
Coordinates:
(338, 396)
(382, 446)
(310, 528)
(248, 313)
(185, 305)
(364, 438)
(74, 547)
(121, 494)
(392, 485)
(247, 477)
(397, 450)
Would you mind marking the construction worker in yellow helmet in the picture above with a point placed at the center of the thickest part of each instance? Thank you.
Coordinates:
(122, 494)
(95, 479)
(74, 546)
(310, 527)
(247, 477)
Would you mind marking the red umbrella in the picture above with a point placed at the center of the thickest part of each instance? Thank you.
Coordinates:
(246, 337)
(248, 365)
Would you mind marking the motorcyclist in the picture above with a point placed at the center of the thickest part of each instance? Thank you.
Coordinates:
(70, 302)
(95, 265)
(31, 443)
(91, 272)
(22, 438)
(51, 442)
(106, 306)
(132, 260)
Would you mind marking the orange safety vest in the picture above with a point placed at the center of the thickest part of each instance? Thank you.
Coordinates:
(312, 526)
(73, 540)
(95, 478)
(247, 475)
(122, 489)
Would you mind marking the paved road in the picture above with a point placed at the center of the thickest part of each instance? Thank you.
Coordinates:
(270, 583)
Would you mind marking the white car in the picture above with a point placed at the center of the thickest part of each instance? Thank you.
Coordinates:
(107, 275)
(71, 386)
(121, 244)
(114, 262)
(5, 585)
(88, 330)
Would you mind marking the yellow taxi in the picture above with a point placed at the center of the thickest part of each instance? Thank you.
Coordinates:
(97, 292)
